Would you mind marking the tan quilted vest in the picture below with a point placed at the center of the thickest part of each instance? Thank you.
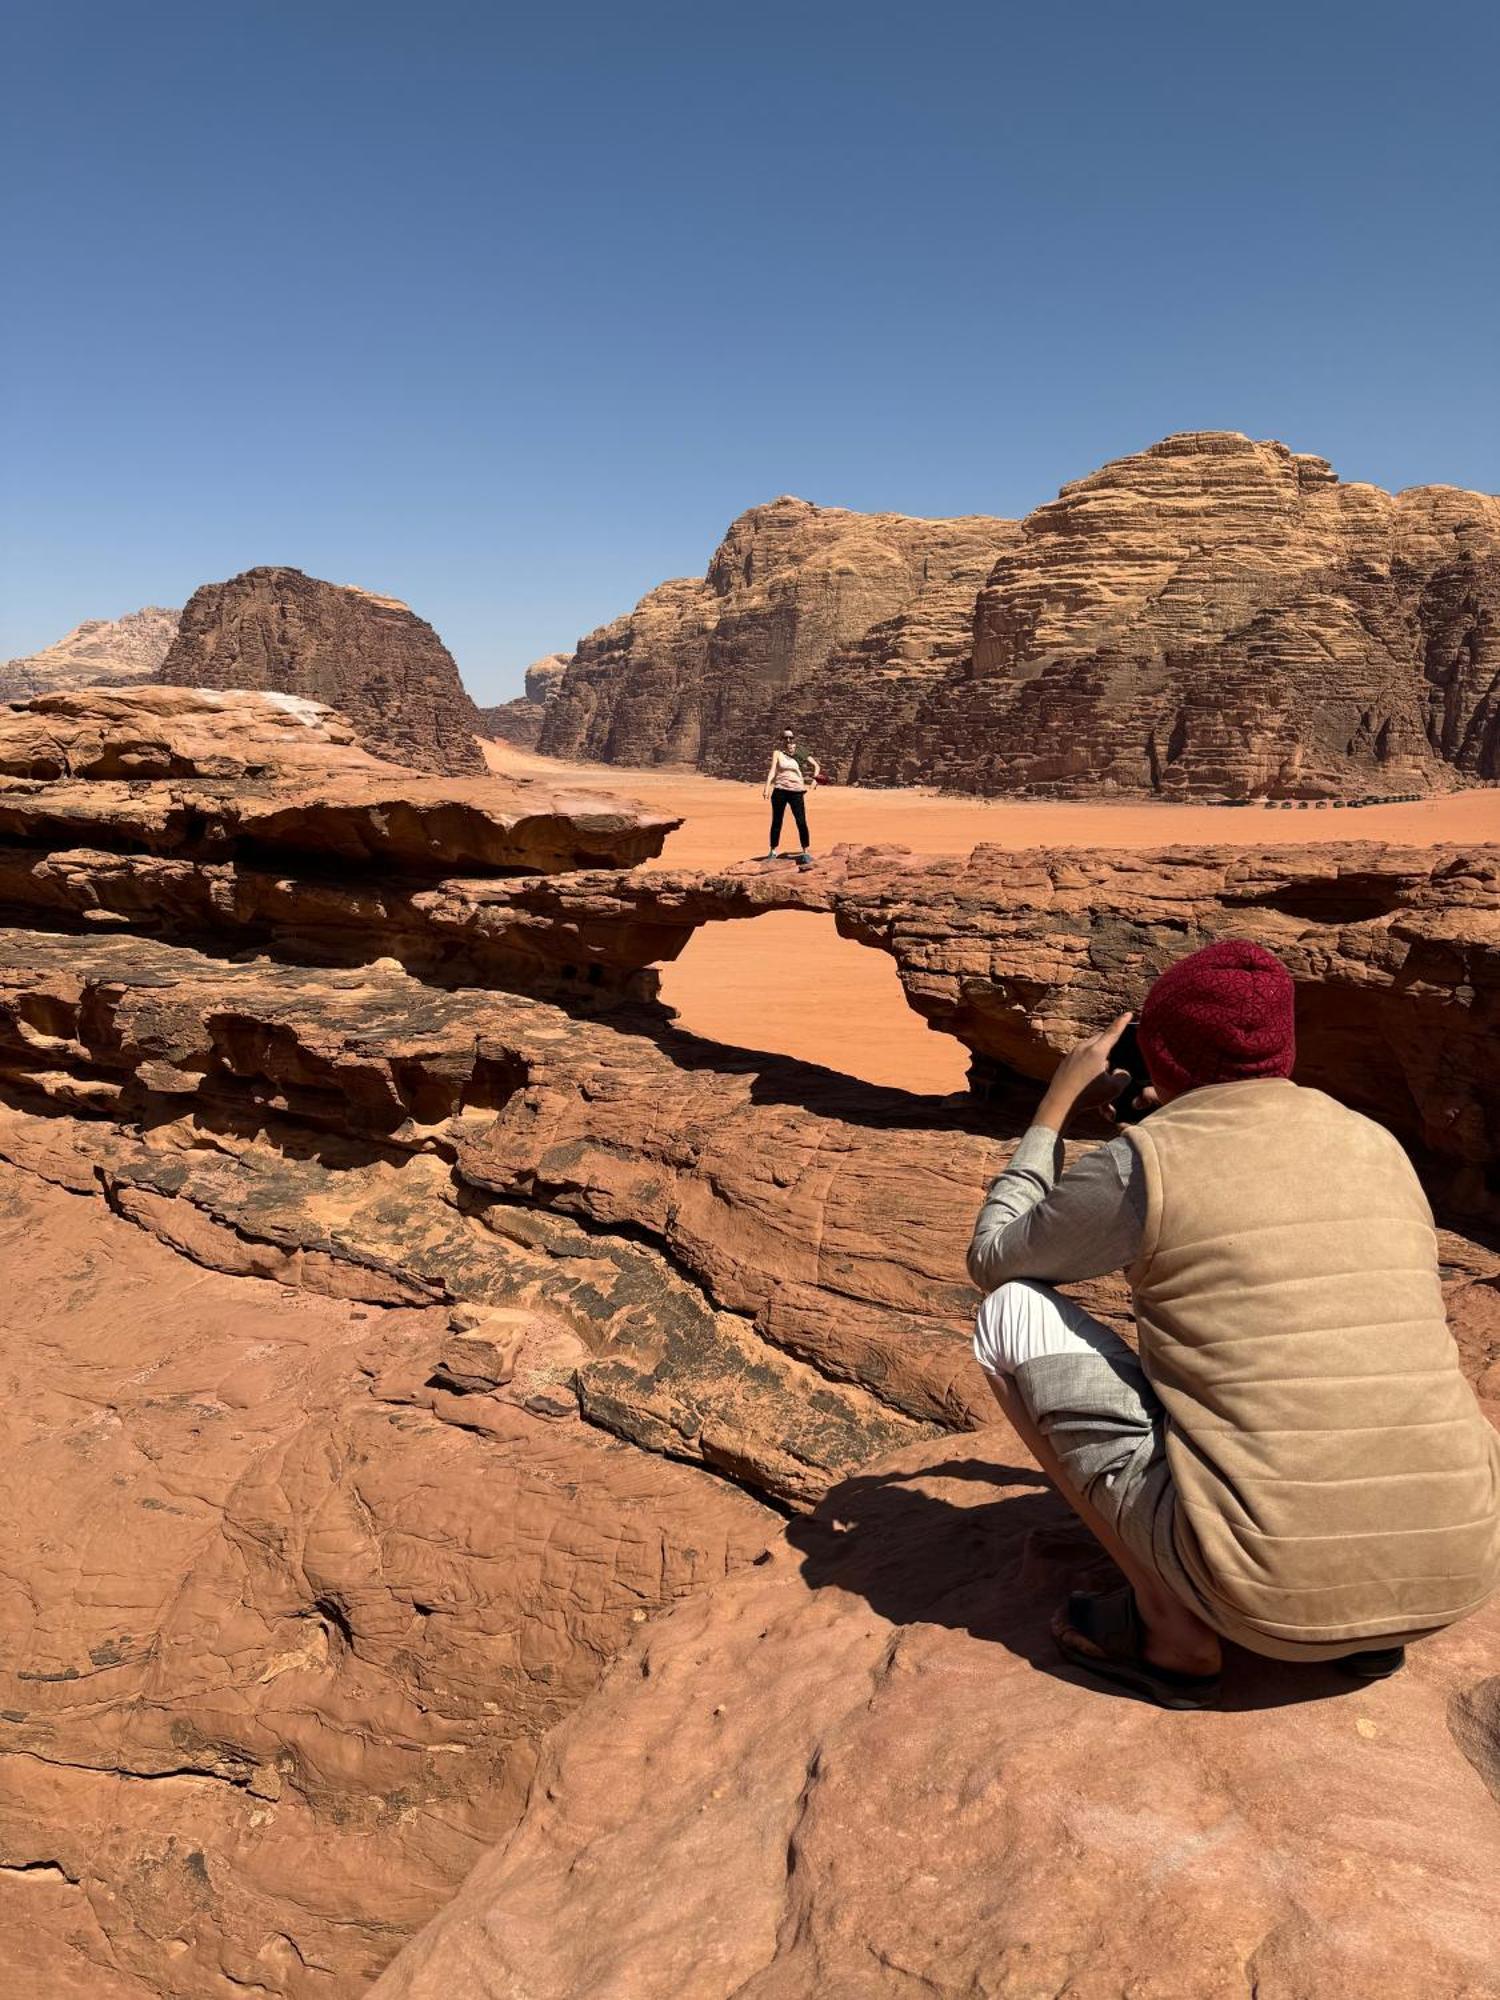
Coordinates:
(1336, 1478)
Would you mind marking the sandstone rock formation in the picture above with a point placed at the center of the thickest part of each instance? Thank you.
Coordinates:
(192, 773)
(856, 1771)
(395, 1335)
(520, 721)
(1220, 616)
(287, 1611)
(1396, 951)
(369, 657)
(101, 652)
(1213, 617)
(796, 596)
(1396, 954)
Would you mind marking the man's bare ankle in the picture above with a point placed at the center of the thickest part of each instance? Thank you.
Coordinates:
(1174, 1638)
(1183, 1652)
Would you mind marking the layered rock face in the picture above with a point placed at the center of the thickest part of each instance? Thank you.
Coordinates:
(350, 1525)
(371, 658)
(193, 775)
(520, 721)
(802, 609)
(407, 1315)
(101, 652)
(1220, 616)
(1214, 617)
(1395, 953)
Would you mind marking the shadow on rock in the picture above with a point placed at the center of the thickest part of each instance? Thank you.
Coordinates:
(807, 1086)
(918, 1557)
(996, 1569)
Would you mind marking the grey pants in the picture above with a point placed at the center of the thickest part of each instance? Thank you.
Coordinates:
(1088, 1396)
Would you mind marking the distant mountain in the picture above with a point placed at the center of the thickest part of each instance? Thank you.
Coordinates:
(1214, 617)
(520, 721)
(369, 657)
(97, 653)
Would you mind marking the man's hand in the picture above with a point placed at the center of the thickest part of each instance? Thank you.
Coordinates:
(1085, 1076)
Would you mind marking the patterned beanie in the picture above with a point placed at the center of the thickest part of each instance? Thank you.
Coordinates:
(1222, 1015)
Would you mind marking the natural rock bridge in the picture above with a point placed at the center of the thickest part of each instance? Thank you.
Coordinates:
(131, 809)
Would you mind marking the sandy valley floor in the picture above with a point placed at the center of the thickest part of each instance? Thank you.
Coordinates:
(791, 984)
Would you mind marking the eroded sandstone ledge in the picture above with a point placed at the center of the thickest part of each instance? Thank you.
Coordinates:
(204, 776)
(855, 1771)
(285, 1618)
(338, 859)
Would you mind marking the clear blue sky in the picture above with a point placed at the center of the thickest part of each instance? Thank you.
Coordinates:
(507, 311)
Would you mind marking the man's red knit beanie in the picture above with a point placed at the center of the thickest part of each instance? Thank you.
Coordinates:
(1221, 1015)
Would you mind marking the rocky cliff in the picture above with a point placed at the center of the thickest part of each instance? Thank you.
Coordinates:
(520, 721)
(101, 652)
(1213, 617)
(456, 1421)
(798, 600)
(369, 657)
(1226, 617)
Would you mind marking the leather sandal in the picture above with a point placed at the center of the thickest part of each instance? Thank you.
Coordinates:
(1375, 1666)
(1101, 1633)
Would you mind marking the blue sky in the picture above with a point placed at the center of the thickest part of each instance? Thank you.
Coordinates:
(508, 312)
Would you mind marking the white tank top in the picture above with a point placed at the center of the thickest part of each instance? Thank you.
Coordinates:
(788, 773)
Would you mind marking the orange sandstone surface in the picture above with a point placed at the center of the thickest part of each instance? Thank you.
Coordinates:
(497, 1497)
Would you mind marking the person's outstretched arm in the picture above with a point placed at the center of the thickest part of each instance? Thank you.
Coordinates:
(765, 790)
(1040, 1222)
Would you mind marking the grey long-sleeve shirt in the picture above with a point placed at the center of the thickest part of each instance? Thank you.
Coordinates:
(1039, 1221)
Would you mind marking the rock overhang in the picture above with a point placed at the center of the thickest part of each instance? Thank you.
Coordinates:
(207, 773)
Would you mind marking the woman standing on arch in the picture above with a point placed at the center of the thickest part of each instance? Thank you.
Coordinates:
(789, 780)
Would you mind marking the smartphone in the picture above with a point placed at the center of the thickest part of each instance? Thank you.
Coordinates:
(1127, 1056)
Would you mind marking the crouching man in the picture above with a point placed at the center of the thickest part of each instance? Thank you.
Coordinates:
(1295, 1462)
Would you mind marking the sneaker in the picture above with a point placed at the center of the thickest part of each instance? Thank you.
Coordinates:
(772, 856)
(804, 859)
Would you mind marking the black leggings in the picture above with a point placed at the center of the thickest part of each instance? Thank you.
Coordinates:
(779, 803)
